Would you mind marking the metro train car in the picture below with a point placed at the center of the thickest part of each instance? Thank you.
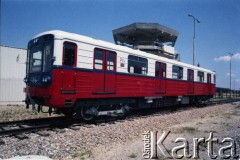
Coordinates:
(82, 76)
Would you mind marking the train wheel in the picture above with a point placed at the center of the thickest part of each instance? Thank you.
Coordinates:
(88, 113)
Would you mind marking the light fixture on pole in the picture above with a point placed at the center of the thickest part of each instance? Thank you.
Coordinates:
(194, 35)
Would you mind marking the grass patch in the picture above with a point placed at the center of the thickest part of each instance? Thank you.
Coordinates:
(236, 112)
(199, 123)
(224, 124)
(186, 129)
(86, 154)
(132, 155)
(227, 115)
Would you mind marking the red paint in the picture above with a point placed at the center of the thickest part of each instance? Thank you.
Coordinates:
(105, 78)
(127, 86)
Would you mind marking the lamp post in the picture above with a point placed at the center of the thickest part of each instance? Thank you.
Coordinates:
(230, 54)
(194, 23)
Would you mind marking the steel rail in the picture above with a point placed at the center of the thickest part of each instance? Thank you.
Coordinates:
(32, 125)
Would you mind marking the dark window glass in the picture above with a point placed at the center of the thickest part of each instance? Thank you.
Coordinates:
(47, 60)
(111, 61)
(200, 76)
(177, 72)
(36, 61)
(137, 65)
(209, 78)
(163, 71)
(157, 69)
(160, 70)
(98, 59)
(40, 52)
(69, 53)
(190, 75)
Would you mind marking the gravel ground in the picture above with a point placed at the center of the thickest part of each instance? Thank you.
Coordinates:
(123, 140)
(13, 113)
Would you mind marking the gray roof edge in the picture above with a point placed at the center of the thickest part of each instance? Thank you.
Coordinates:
(139, 25)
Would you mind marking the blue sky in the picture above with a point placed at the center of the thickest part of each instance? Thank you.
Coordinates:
(216, 35)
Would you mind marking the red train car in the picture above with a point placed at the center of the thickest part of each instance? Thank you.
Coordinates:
(76, 74)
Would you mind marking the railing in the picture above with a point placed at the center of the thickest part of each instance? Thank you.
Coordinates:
(226, 93)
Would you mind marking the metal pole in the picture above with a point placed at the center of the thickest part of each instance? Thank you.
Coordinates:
(194, 41)
(230, 54)
(194, 34)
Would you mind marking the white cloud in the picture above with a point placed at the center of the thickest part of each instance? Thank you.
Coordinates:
(222, 58)
(232, 75)
(235, 57)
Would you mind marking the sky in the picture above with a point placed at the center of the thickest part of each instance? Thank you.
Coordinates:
(217, 35)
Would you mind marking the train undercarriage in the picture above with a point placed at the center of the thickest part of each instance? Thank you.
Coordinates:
(88, 109)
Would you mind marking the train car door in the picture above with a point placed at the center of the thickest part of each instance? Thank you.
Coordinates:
(209, 83)
(104, 67)
(160, 78)
(69, 61)
(110, 72)
(190, 82)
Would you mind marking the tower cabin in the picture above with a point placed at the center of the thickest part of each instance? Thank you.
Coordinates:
(153, 38)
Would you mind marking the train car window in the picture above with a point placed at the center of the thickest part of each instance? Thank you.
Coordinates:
(157, 69)
(190, 75)
(163, 70)
(137, 65)
(69, 54)
(177, 72)
(131, 70)
(36, 62)
(47, 58)
(209, 78)
(200, 76)
(160, 69)
(111, 56)
(214, 78)
(98, 59)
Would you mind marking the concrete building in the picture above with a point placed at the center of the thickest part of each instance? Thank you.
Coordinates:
(12, 73)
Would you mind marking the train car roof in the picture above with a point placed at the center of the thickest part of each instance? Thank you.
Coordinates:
(58, 34)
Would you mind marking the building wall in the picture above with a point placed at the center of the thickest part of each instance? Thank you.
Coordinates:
(12, 74)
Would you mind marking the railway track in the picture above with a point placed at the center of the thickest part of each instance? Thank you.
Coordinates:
(32, 125)
(19, 128)
(221, 101)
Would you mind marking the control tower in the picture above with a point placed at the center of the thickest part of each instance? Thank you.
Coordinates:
(153, 38)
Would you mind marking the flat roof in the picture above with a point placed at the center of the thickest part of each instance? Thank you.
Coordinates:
(106, 45)
(144, 32)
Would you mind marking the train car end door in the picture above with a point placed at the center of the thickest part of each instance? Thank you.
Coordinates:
(160, 78)
(68, 73)
(190, 82)
(209, 86)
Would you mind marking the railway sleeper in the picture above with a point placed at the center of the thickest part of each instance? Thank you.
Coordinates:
(21, 136)
(2, 142)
